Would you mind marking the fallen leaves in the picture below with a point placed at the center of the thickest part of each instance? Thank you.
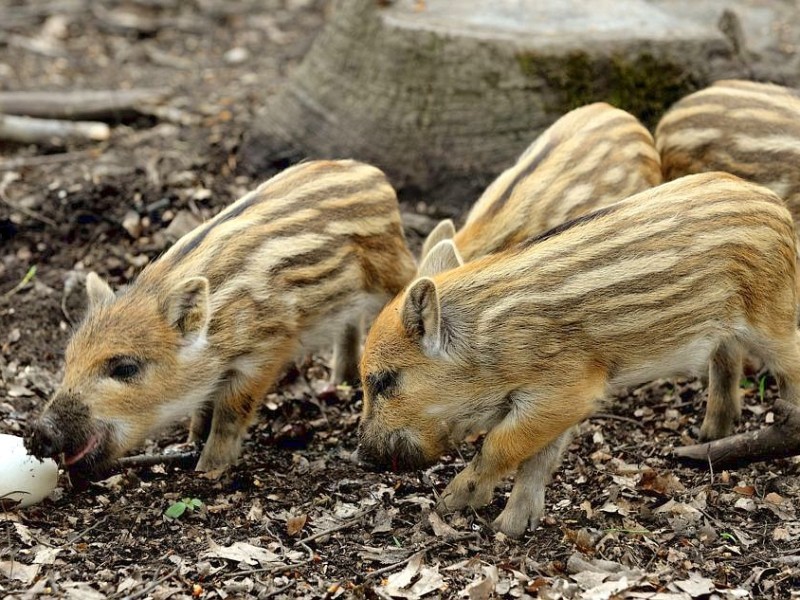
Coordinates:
(242, 552)
(20, 571)
(294, 525)
(414, 581)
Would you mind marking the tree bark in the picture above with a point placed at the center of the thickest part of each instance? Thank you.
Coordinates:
(779, 440)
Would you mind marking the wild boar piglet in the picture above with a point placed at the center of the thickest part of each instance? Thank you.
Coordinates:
(208, 328)
(591, 157)
(526, 343)
(745, 128)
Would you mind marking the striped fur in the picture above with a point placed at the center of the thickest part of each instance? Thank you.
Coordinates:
(528, 342)
(749, 129)
(208, 328)
(591, 157)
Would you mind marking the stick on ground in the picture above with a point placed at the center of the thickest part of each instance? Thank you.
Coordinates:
(27, 130)
(779, 440)
(102, 105)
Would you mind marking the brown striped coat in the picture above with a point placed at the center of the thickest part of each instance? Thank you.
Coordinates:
(591, 157)
(528, 342)
(208, 328)
(742, 127)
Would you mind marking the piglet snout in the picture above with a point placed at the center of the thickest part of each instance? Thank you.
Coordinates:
(45, 440)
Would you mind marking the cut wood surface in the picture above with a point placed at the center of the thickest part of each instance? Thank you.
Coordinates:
(90, 105)
(779, 440)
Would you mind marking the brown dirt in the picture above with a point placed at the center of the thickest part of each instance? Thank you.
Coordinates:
(619, 496)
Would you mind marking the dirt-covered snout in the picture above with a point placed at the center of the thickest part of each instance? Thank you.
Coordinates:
(67, 432)
(398, 450)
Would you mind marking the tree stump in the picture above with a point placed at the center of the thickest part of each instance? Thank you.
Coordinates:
(444, 95)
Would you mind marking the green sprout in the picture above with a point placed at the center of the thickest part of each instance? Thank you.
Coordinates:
(762, 386)
(177, 509)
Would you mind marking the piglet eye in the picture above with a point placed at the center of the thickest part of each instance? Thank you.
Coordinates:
(380, 384)
(123, 368)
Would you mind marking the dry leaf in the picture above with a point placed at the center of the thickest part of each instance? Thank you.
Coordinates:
(294, 525)
(19, 571)
(696, 585)
(483, 587)
(425, 580)
(383, 521)
(46, 556)
(24, 534)
(774, 498)
(781, 534)
(661, 485)
(242, 552)
(606, 590)
(747, 504)
(440, 528)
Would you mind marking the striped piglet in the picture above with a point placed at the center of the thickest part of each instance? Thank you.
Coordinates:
(527, 342)
(208, 328)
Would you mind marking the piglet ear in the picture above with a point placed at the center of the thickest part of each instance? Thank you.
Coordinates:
(421, 315)
(445, 230)
(442, 257)
(187, 306)
(97, 290)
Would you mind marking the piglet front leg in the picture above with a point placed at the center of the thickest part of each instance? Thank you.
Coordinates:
(526, 503)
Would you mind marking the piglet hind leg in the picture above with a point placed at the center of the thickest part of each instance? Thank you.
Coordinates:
(526, 503)
(345, 355)
(724, 405)
(200, 425)
(233, 412)
(784, 363)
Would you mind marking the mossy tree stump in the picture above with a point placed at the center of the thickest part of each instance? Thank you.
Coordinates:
(444, 95)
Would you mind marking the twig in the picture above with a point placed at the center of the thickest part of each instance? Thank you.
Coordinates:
(311, 558)
(276, 569)
(46, 159)
(425, 548)
(148, 588)
(102, 105)
(148, 460)
(9, 178)
(23, 282)
(354, 521)
(85, 531)
(274, 593)
(612, 417)
(28, 212)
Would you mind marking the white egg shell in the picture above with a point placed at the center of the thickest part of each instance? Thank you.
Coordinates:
(29, 479)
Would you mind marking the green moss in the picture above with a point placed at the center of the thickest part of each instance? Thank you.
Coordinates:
(644, 86)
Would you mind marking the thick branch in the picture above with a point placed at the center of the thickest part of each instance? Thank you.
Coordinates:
(779, 440)
(102, 105)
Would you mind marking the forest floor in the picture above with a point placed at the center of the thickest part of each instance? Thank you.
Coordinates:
(296, 518)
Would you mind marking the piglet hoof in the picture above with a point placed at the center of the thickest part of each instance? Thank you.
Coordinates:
(464, 490)
(514, 523)
(715, 429)
(215, 461)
